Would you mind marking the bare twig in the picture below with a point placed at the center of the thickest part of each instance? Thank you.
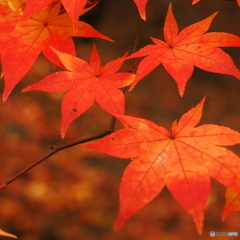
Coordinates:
(110, 129)
(54, 150)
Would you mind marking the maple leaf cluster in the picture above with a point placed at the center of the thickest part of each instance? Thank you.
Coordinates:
(186, 157)
(26, 37)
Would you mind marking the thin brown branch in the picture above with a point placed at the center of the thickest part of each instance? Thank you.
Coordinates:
(130, 65)
(136, 40)
(110, 129)
(54, 150)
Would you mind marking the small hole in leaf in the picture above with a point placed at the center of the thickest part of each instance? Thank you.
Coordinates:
(74, 110)
(113, 138)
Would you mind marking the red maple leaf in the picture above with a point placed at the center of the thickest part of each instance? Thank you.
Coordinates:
(21, 47)
(86, 82)
(141, 5)
(183, 160)
(232, 202)
(73, 8)
(182, 51)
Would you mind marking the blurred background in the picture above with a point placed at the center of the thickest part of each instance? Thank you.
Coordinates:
(74, 194)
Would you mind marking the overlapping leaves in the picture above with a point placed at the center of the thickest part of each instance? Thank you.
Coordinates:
(21, 47)
(73, 8)
(183, 160)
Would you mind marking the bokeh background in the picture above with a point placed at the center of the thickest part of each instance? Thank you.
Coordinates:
(74, 194)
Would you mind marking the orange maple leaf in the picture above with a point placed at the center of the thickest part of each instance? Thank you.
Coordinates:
(182, 51)
(183, 160)
(86, 82)
(5, 234)
(141, 5)
(232, 202)
(73, 8)
(9, 12)
(21, 47)
(14, 5)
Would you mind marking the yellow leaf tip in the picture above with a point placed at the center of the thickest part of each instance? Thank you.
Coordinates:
(143, 16)
(5, 97)
(26, 89)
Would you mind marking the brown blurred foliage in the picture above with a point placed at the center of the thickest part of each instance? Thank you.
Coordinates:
(74, 194)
